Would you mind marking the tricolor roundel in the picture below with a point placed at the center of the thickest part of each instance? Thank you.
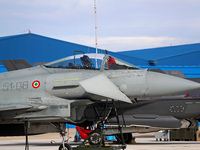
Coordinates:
(36, 84)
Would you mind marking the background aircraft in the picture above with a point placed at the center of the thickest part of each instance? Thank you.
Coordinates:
(144, 116)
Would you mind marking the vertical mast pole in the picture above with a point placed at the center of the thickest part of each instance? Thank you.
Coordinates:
(95, 11)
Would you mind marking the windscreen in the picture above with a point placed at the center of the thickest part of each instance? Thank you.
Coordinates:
(83, 61)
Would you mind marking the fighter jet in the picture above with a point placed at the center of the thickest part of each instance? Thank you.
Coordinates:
(144, 116)
(42, 99)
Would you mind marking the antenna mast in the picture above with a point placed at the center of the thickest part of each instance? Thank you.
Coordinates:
(95, 11)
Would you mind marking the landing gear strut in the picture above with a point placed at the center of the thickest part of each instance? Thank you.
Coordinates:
(26, 133)
(64, 145)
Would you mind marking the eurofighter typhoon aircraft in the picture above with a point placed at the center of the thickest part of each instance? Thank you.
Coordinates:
(44, 98)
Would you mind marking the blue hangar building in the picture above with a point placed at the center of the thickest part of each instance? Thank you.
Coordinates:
(36, 48)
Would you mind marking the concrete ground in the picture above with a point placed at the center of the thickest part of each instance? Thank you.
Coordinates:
(51, 141)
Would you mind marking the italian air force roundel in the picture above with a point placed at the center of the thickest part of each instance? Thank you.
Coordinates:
(36, 84)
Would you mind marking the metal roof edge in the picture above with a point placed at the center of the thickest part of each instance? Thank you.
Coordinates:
(41, 36)
(158, 47)
(12, 36)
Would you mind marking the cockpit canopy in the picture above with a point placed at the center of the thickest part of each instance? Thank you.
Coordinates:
(90, 61)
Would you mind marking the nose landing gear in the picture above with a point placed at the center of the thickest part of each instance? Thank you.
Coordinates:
(62, 128)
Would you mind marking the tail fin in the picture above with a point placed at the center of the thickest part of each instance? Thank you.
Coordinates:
(16, 64)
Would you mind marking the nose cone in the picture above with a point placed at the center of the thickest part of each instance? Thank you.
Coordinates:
(163, 84)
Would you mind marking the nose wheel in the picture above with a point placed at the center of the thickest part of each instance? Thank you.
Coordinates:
(65, 147)
(62, 128)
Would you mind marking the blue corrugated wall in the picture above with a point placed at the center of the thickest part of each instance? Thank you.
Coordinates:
(37, 48)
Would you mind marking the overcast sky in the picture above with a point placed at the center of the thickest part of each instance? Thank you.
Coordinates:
(122, 24)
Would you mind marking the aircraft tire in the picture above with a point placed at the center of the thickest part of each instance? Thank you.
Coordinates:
(127, 138)
(95, 137)
(67, 147)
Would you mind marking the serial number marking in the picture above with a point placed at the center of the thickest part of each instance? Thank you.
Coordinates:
(15, 86)
(176, 109)
(58, 106)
